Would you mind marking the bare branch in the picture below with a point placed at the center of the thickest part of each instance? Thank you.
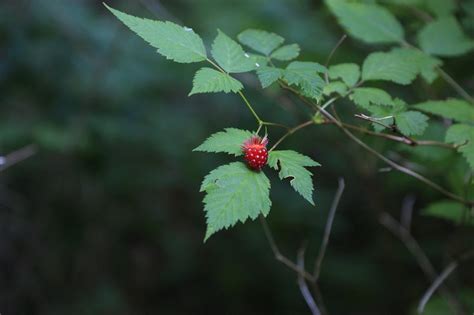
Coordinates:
(388, 161)
(327, 230)
(304, 287)
(430, 273)
(290, 132)
(407, 211)
(426, 297)
(17, 156)
(441, 278)
(278, 256)
(333, 51)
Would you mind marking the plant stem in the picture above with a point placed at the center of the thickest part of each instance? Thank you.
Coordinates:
(290, 132)
(259, 121)
(393, 164)
(327, 229)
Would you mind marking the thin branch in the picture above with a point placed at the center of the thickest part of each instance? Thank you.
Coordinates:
(333, 51)
(327, 230)
(407, 211)
(456, 86)
(426, 297)
(290, 132)
(399, 139)
(17, 156)
(412, 245)
(393, 164)
(278, 256)
(441, 278)
(393, 127)
(304, 287)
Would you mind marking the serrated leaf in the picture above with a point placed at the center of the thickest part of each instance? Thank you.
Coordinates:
(448, 210)
(234, 193)
(425, 64)
(207, 80)
(305, 75)
(463, 135)
(390, 66)
(349, 73)
(370, 23)
(411, 123)
(286, 53)
(261, 41)
(174, 42)
(258, 60)
(291, 164)
(269, 75)
(367, 97)
(335, 87)
(444, 37)
(230, 55)
(456, 109)
(228, 141)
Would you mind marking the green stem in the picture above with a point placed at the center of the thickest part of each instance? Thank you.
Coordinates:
(259, 121)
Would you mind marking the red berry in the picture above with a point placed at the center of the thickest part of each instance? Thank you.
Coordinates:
(255, 152)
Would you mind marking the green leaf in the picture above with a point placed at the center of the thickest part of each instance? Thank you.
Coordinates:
(463, 135)
(335, 87)
(411, 123)
(425, 64)
(230, 55)
(441, 7)
(269, 75)
(261, 41)
(208, 80)
(258, 60)
(391, 66)
(292, 164)
(349, 73)
(444, 37)
(305, 75)
(370, 23)
(367, 97)
(174, 42)
(451, 108)
(286, 53)
(234, 193)
(448, 210)
(228, 141)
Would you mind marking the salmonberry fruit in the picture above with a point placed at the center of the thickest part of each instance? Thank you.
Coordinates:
(255, 151)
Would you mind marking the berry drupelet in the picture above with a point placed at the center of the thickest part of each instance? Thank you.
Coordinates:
(255, 152)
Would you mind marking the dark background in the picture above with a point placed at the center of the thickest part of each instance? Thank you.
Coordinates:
(106, 217)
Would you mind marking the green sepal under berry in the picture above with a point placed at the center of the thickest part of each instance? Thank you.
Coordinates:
(234, 193)
(228, 141)
(291, 164)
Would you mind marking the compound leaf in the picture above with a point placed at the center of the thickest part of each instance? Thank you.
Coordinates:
(269, 75)
(234, 193)
(228, 141)
(349, 73)
(411, 123)
(207, 80)
(370, 23)
(230, 55)
(456, 109)
(291, 164)
(444, 37)
(174, 42)
(286, 53)
(261, 41)
(463, 135)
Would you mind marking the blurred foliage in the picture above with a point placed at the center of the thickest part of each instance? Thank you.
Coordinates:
(107, 219)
